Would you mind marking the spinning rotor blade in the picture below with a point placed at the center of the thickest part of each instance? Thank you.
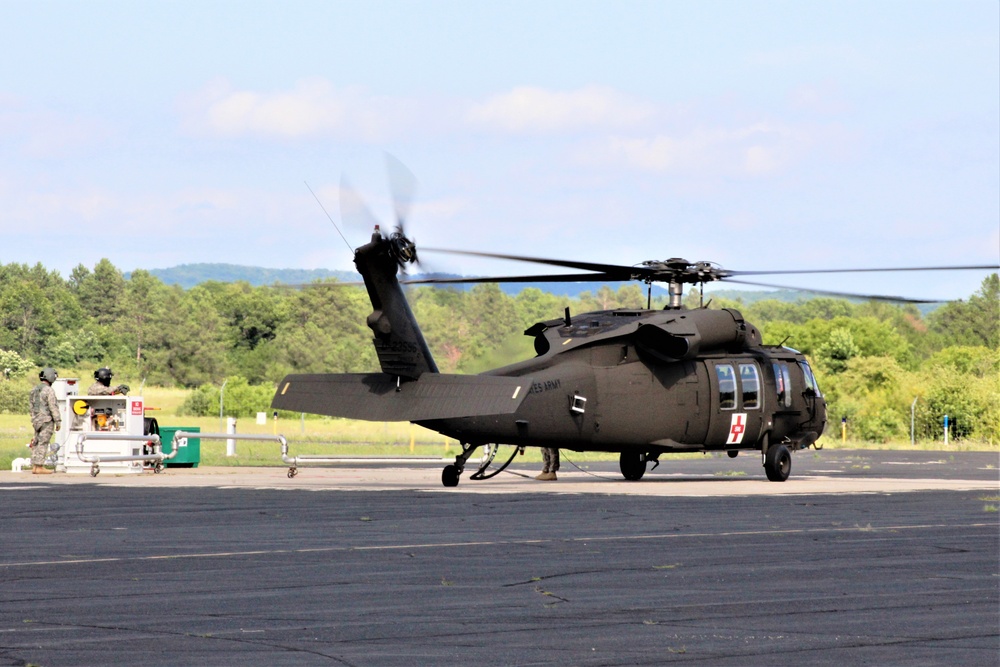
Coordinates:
(606, 271)
(554, 278)
(904, 268)
(848, 295)
(403, 186)
(353, 210)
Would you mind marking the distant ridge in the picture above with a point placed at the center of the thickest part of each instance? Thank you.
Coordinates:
(189, 275)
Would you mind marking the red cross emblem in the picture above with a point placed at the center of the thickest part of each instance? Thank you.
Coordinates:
(738, 427)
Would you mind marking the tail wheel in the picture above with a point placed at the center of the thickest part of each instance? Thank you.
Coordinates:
(633, 465)
(450, 474)
(778, 463)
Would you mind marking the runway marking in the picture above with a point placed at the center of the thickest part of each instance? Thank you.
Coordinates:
(496, 543)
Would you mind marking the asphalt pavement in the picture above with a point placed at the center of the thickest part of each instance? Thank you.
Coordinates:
(892, 559)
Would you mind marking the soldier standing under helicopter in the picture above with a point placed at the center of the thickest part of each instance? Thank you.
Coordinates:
(44, 419)
(550, 464)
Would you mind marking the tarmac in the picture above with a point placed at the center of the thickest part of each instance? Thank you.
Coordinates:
(861, 557)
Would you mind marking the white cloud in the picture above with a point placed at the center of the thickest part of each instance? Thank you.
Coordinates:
(36, 132)
(312, 108)
(758, 149)
(529, 109)
(825, 97)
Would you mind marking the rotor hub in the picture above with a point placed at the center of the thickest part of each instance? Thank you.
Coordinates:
(402, 249)
(679, 270)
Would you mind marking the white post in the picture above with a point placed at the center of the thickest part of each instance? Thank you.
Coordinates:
(946, 430)
(230, 443)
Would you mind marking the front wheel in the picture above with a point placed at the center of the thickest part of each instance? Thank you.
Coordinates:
(778, 463)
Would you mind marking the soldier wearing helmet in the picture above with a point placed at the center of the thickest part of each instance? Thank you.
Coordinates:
(44, 419)
(102, 386)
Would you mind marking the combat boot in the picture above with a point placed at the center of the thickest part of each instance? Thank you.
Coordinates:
(40, 470)
(546, 476)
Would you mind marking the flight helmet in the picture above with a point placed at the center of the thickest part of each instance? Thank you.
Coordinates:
(103, 375)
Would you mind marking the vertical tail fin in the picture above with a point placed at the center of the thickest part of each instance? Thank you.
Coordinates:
(401, 348)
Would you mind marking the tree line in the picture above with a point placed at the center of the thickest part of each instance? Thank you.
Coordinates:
(873, 359)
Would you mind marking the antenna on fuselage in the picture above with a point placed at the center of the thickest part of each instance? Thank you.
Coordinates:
(331, 218)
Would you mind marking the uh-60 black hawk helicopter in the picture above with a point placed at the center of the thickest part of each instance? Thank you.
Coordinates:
(638, 382)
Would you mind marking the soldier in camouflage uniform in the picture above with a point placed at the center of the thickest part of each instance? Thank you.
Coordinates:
(550, 464)
(102, 386)
(44, 418)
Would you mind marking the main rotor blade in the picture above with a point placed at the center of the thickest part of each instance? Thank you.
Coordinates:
(622, 272)
(848, 295)
(865, 270)
(554, 278)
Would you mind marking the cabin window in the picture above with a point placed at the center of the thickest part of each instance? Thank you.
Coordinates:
(750, 383)
(810, 378)
(727, 386)
(783, 384)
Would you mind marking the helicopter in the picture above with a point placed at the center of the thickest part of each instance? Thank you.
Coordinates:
(637, 382)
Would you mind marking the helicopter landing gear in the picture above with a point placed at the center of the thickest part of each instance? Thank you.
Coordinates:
(452, 471)
(450, 475)
(632, 465)
(777, 463)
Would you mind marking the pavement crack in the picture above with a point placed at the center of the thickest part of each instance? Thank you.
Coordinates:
(195, 635)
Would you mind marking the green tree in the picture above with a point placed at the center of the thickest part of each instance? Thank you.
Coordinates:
(27, 316)
(13, 365)
(533, 305)
(143, 295)
(838, 349)
(976, 322)
(184, 339)
(100, 294)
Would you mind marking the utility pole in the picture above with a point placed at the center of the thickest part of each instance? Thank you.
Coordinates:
(222, 393)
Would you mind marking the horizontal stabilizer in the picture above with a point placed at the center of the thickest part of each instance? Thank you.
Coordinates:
(378, 397)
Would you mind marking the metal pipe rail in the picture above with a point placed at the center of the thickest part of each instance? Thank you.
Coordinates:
(95, 460)
(292, 461)
(236, 436)
(180, 435)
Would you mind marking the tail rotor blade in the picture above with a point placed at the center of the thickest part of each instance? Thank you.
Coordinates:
(403, 185)
(353, 210)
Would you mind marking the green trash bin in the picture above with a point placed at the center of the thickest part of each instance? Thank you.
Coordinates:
(188, 456)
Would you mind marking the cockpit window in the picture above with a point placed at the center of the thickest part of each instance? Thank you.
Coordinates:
(810, 378)
(727, 386)
(750, 382)
(783, 383)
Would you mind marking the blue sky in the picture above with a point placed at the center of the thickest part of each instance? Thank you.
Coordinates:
(753, 134)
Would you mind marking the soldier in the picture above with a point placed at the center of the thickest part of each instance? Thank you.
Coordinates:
(102, 386)
(550, 464)
(44, 418)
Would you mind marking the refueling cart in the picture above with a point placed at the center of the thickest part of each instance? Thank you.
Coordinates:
(103, 432)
